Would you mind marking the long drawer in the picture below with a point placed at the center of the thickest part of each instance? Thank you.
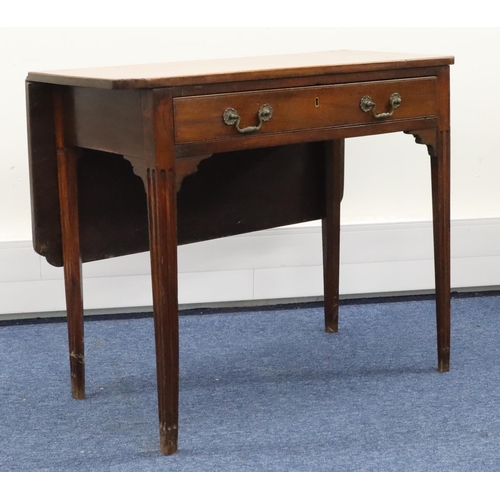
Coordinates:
(222, 116)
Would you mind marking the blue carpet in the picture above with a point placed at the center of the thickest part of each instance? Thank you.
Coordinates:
(263, 390)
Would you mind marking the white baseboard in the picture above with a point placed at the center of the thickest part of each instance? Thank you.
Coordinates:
(280, 263)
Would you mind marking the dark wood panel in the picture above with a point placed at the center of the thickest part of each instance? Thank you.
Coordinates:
(242, 191)
(252, 190)
(45, 220)
(105, 120)
(112, 206)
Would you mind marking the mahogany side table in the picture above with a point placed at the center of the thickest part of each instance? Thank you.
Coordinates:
(136, 158)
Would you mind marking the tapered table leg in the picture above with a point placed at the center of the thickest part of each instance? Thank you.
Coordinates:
(440, 166)
(334, 168)
(163, 233)
(68, 195)
(158, 173)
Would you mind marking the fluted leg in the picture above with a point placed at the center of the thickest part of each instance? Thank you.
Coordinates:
(158, 171)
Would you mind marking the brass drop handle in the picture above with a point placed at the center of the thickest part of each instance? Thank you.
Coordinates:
(231, 117)
(367, 105)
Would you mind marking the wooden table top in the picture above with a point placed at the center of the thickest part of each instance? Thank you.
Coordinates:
(178, 73)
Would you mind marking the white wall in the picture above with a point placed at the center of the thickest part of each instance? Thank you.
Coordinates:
(387, 177)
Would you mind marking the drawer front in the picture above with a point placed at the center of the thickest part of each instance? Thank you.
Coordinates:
(200, 118)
